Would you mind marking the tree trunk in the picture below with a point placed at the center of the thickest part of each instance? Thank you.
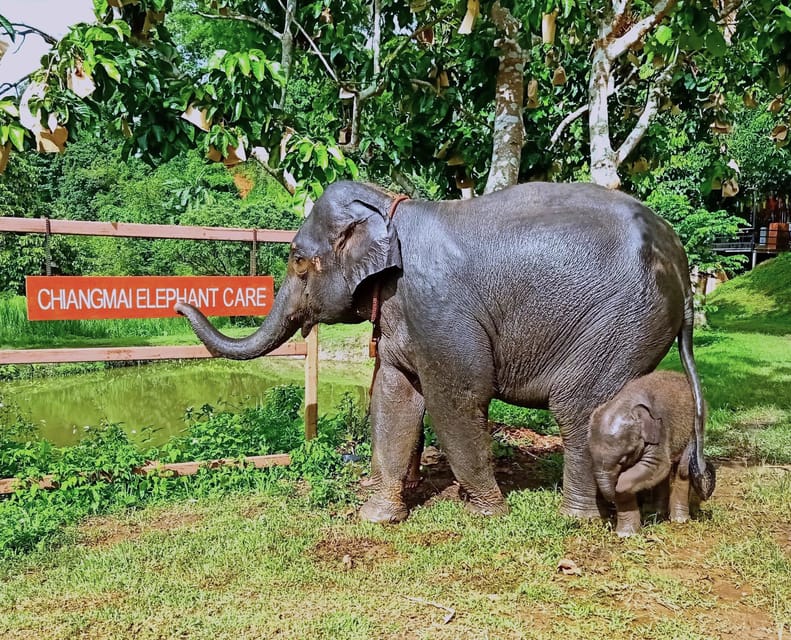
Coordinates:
(287, 48)
(604, 167)
(509, 132)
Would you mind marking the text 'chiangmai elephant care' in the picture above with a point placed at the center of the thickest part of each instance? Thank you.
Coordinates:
(541, 295)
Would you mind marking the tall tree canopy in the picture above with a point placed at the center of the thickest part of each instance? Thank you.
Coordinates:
(428, 94)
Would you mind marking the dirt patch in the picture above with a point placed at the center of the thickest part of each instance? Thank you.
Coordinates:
(525, 440)
(352, 553)
(107, 531)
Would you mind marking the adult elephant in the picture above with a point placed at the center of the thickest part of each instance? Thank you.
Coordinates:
(541, 295)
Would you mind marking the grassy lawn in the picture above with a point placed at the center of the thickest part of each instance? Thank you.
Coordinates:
(270, 563)
(270, 566)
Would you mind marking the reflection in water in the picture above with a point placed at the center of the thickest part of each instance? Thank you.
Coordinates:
(157, 395)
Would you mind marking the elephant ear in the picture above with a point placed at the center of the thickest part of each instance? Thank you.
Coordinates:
(650, 427)
(367, 245)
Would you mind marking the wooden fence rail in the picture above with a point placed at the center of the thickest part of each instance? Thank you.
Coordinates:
(307, 350)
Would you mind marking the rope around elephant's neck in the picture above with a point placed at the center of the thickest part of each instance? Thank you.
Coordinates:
(373, 351)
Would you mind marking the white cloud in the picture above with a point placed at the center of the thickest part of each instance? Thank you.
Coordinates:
(53, 17)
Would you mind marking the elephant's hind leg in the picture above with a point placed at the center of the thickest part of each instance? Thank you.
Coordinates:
(679, 489)
(396, 422)
(459, 415)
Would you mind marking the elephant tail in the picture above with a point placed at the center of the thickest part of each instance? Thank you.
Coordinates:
(701, 472)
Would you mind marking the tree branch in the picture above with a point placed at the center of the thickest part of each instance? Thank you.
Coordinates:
(258, 22)
(377, 85)
(377, 36)
(27, 30)
(578, 112)
(314, 46)
(619, 7)
(620, 45)
(649, 110)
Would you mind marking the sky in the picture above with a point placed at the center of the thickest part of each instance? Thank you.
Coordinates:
(50, 16)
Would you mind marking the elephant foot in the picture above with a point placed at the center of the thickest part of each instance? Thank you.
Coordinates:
(383, 511)
(628, 523)
(492, 505)
(679, 516)
(628, 530)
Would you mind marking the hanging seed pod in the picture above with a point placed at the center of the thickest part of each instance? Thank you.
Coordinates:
(532, 94)
(730, 188)
(467, 24)
(5, 152)
(780, 133)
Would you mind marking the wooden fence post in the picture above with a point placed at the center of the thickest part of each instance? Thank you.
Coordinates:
(312, 384)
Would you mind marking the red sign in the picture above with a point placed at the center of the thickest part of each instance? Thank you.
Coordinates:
(114, 297)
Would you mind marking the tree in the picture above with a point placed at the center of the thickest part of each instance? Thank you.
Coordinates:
(416, 94)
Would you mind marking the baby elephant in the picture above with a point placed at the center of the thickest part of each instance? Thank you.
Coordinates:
(638, 437)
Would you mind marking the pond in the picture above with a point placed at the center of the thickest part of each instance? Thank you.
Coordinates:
(157, 395)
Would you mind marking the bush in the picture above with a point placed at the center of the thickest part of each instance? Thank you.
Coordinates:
(537, 420)
(97, 475)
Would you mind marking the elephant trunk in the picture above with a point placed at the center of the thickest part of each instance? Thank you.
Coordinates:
(647, 472)
(279, 326)
(606, 481)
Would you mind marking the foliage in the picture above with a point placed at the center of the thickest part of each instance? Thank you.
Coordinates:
(698, 228)
(535, 419)
(274, 426)
(424, 89)
(96, 476)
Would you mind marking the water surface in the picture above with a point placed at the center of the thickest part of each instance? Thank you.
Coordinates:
(157, 395)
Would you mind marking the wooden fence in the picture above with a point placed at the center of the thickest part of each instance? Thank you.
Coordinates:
(307, 350)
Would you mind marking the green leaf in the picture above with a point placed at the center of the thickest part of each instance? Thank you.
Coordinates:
(100, 8)
(664, 34)
(715, 43)
(16, 134)
(244, 64)
(228, 65)
(9, 108)
(112, 71)
(322, 157)
(259, 69)
(6, 26)
(306, 151)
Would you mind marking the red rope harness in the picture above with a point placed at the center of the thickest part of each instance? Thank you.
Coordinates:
(373, 350)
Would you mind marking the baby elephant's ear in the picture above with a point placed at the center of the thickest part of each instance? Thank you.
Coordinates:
(650, 427)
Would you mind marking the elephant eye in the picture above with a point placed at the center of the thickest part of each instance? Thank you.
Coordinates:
(301, 265)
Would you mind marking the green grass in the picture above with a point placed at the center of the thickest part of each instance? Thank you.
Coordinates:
(758, 301)
(272, 563)
(268, 565)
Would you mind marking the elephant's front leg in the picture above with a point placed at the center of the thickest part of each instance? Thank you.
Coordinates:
(396, 422)
(628, 515)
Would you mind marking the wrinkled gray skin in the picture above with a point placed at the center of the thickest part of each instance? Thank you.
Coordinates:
(542, 295)
(638, 439)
